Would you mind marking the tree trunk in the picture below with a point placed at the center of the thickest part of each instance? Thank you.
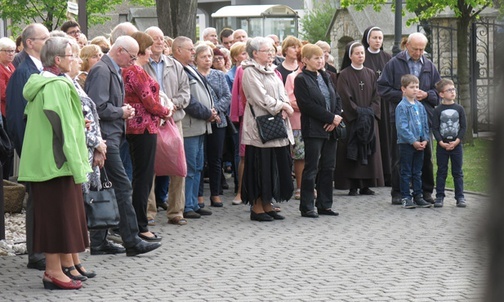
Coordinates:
(177, 18)
(463, 74)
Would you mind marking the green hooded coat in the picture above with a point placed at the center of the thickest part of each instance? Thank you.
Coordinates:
(54, 144)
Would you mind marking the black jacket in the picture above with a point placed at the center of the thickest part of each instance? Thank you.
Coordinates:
(312, 104)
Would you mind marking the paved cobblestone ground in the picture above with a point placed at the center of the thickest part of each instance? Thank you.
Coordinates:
(372, 252)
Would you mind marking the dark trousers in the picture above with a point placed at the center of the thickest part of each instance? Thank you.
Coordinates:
(320, 161)
(214, 149)
(427, 167)
(143, 152)
(128, 227)
(456, 157)
(161, 188)
(411, 170)
(32, 257)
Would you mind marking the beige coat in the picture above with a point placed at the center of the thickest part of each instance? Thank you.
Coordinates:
(264, 90)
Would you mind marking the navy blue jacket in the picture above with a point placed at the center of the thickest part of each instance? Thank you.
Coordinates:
(312, 104)
(389, 83)
(16, 103)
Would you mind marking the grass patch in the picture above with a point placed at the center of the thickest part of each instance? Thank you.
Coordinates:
(475, 167)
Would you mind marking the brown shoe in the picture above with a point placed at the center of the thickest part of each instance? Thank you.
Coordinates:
(177, 221)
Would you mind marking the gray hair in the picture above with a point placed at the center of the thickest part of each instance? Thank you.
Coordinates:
(124, 42)
(256, 43)
(418, 36)
(202, 47)
(122, 29)
(58, 33)
(323, 44)
(6, 43)
(53, 47)
(208, 30)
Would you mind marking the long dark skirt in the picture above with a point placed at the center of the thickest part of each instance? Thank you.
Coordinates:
(59, 217)
(267, 175)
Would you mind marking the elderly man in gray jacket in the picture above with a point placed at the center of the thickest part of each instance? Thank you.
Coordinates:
(199, 114)
(173, 81)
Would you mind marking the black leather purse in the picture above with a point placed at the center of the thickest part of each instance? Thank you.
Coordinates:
(270, 127)
(101, 206)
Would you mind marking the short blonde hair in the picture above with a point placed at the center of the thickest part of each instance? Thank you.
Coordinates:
(87, 52)
(288, 42)
(236, 49)
(310, 50)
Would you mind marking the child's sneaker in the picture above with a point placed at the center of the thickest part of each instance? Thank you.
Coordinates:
(438, 203)
(421, 203)
(407, 203)
(461, 203)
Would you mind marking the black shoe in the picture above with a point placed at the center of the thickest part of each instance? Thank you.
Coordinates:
(438, 203)
(427, 196)
(461, 203)
(396, 200)
(67, 270)
(408, 203)
(191, 215)
(40, 264)
(421, 202)
(328, 212)
(275, 215)
(163, 206)
(260, 216)
(352, 192)
(309, 214)
(141, 248)
(89, 274)
(204, 212)
(201, 205)
(225, 186)
(365, 191)
(107, 248)
(154, 238)
(216, 204)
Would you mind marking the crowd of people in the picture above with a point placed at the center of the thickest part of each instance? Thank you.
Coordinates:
(82, 106)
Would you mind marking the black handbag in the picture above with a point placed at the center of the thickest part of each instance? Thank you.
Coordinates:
(6, 147)
(270, 127)
(341, 131)
(101, 206)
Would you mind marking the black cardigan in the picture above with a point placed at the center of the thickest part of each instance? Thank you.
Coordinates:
(312, 104)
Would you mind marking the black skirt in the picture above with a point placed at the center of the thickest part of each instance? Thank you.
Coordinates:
(267, 175)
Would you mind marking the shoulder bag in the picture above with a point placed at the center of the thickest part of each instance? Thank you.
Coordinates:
(270, 127)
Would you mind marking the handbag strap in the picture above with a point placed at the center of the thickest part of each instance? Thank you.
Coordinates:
(106, 183)
(252, 110)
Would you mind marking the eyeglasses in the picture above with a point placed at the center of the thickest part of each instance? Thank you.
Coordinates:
(450, 90)
(271, 51)
(9, 51)
(132, 57)
(42, 39)
(74, 32)
(218, 59)
(189, 49)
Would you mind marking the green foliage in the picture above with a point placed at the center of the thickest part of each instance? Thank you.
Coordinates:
(52, 13)
(316, 22)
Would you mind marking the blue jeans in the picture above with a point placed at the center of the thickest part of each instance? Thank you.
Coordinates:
(126, 159)
(194, 152)
(456, 157)
(411, 170)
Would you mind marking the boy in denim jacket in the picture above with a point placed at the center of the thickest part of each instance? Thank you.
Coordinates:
(412, 137)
